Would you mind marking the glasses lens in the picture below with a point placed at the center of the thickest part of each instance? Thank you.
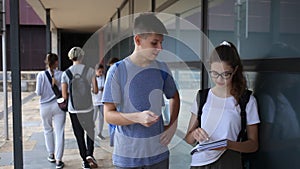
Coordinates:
(214, 74)
(226, 75)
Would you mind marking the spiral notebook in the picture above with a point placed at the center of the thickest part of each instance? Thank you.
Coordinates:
(210, 145)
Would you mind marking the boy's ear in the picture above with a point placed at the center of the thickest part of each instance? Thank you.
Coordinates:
(137, 40)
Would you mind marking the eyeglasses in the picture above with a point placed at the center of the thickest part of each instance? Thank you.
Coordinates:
(224, 75)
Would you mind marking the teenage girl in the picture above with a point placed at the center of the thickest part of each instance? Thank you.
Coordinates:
(52, 117)
(221, 114)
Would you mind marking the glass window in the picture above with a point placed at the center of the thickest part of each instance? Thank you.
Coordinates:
(158, 3)
(124, 20)
(260, 29)
(277, 96)
(142, 6)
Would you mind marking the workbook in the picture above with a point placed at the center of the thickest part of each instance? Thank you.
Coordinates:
(209, 145)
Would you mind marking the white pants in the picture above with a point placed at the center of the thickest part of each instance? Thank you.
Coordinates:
(98, 118)
(53, 117)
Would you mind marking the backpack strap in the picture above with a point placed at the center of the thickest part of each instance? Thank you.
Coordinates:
(244, 99)
(54, 88)
(69, 74)
(121, 68)
(201, 99)
(163, 73)
(84, 72)
(48, 76)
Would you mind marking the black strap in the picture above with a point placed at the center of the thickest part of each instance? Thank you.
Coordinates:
(201, 99)
(48, 76)
(244, 99)
(69, 74)
(55, 89)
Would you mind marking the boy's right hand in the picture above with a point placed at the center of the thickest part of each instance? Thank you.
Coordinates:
(148, 118)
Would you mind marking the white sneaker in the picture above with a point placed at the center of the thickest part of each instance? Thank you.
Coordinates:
(51, 158)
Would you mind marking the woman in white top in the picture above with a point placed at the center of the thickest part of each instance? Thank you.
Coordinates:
(49, 110)
(221, 114)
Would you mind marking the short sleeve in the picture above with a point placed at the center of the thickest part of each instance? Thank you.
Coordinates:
(194, 108)
(252, 111)
(112, 90)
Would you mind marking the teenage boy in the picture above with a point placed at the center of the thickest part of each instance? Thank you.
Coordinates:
(82, 120)
(133, 99)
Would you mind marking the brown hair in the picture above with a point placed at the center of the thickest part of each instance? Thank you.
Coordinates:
(227, 52)
(50, 60)
(148, 23)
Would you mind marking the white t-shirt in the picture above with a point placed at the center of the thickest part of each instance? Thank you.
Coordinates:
(221, 120)
(98, 97)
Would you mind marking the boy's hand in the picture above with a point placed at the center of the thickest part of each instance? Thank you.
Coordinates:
(148, 118)
(168, 134)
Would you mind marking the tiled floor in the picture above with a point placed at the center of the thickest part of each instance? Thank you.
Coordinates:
(34, 150)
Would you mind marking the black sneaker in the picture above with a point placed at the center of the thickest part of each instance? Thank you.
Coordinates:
(51, 158)
(85, 165)
(92, 161)
(101, 137)
(60, 164)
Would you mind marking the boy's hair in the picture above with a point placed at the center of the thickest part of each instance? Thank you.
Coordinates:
(99, 66)
(76, 53)
(113, 60)
(148, 23)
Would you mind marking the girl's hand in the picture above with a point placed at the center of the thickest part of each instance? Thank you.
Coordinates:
(200, 135)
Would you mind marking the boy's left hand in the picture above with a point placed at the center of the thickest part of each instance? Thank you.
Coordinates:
(168, 134)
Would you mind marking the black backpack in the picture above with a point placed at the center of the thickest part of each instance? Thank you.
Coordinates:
(244, 99)
(80, 90)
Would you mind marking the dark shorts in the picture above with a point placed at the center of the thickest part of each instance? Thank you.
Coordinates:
(161, 165)
(229, 160)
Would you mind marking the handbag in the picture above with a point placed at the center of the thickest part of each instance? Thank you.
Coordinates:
(62, 103)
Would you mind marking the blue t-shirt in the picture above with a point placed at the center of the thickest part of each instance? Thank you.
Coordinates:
(135, 89)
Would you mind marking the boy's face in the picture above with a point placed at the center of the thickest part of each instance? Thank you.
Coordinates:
(149, 45)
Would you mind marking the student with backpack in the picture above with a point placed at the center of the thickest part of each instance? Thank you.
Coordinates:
(133, 97)
(220, 114)
(76, 88)
(52, 117)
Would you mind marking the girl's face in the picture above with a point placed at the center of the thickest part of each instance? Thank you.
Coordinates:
(99, 72)
(55, 65)
(221, 74)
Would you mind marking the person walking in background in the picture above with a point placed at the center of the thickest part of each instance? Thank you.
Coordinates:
(98, 105)
(110, 62)
(221, 117)
(50, 112)
(133, 96)
(82, 120)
